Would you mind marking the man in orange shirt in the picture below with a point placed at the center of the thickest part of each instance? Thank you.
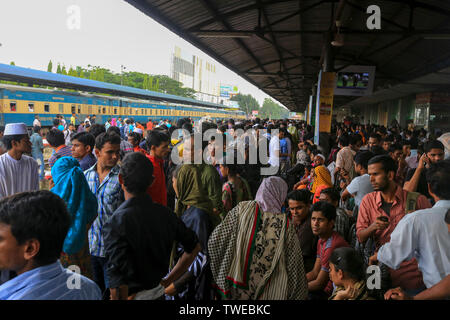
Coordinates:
(158, 145)
(381, 211)
(140, 126)
(134, 138)
(149, 124)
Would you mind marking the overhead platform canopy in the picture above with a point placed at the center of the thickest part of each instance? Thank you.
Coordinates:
(31, 76)
(278, 45)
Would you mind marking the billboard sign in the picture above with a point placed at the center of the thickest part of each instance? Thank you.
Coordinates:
(228, 91)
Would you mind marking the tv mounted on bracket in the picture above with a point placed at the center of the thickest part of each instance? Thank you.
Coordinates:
(355, 81)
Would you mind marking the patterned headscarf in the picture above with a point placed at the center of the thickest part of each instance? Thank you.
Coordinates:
(322, 177)
(271, 194)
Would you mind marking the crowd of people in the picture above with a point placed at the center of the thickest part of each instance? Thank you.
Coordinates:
(214, 210)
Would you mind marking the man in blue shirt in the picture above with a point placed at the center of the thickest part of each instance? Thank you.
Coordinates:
(103, 180)
(37, 149)
(33, 226)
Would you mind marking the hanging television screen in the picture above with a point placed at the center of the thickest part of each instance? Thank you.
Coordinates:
(355, 81)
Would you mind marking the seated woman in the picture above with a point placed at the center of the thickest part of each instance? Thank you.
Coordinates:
(255, 252)
(195, 284)
(306, 181)
(348, 275)
(321, 180)
(70, 184)
(235, 189)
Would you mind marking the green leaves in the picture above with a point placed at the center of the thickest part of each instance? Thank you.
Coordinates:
(273, 110)
(247, 103)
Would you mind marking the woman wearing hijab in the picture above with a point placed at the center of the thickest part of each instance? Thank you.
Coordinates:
(322, 180)
(193, 208)
(255, 252)
(70, 184)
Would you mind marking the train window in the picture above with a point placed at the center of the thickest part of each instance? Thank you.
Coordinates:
(13, 107)
(60, 108)
(90, 109)
(131, 112)
(46, 107)
(104, 110)
(79, 108)
(115, 110)
(31, 107)
(136, 111)
(151, 111)
(73, 108)
(142, 111)
(99, 110)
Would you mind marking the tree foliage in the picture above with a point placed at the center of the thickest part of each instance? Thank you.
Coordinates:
(273, 110)
(158, 83)
(247, 102)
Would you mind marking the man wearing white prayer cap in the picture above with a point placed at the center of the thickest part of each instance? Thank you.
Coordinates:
(18, 172)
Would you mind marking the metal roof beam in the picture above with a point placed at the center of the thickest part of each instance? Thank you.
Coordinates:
(275, 44)
(424, 6)
(278, 74)
(300, 11)
(213, 10)
(249, 33)
(233, 13)
(286, 59)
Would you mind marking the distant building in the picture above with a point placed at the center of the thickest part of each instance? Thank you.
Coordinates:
(198, 74)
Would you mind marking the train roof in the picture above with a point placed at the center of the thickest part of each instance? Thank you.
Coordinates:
(32, 76)
(12, 87)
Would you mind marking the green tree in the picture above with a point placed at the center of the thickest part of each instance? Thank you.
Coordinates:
(100, 75)
(72, 72)
(159, 83)
(145, 83)
(58, 69)
(12, 63)
(50, 66)
(247, 103)
(273, 110)
(63, 70)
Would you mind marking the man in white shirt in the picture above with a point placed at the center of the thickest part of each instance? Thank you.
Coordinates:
(359, 186)
(18, 172)
(424, 234)
(274, 150)
(36, 122)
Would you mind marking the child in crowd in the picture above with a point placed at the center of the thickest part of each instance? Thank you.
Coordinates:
(348, 276)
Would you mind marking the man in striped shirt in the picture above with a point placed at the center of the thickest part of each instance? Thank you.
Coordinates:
(103, 180)
(56, 140)
(33, 227)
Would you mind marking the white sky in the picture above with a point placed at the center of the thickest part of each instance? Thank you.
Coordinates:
(112, 33)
